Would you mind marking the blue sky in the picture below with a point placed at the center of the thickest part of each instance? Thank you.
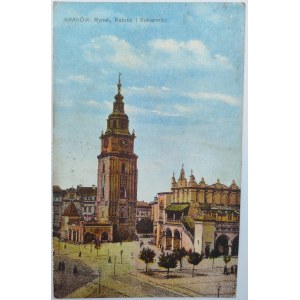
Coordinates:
(182, 81)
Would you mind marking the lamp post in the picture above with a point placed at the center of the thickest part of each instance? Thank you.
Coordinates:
(115, 258)
(121, 252)
(100, 272)
(218, 287)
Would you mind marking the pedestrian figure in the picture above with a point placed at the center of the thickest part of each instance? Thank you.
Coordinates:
(225, 270)
(109, 259)
(63, 267)
(232, 270)
(75, 270)
(79, 254)
(59, 265)
(65, 246)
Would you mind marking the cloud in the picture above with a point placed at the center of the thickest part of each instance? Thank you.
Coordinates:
(64, 103)
(223, 60)
(158, 53)
(135, 110)
(111, 49)
(147, 90)
(93, 103)
(79, 78)
(183, 109)
(213, 96)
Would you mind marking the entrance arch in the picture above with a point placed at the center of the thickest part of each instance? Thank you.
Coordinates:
(168, 234)
(222, 245)
(176, 239)
(235, 245)
(89, 237)
(104, 236)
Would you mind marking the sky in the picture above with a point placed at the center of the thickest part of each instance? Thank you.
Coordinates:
(182, 82)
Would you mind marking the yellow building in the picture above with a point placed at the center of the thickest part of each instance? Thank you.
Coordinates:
(197, 216)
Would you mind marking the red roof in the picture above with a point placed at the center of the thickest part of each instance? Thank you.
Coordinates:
(87, 190)
(142, 204)
(71, 211)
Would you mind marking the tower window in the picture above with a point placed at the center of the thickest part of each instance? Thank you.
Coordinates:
(102, 192)
(123, 192)
(123, 168)
(103, 168)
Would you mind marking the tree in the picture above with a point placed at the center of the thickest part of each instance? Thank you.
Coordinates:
(167, 261)
(214, 254)
(227, 259)
(144, 226)
(180, 254)
(97, 245)
(194, 259)
(147, 255)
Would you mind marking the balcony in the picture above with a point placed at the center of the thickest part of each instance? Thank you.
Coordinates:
(174, 221)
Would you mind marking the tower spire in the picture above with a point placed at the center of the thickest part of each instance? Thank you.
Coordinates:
(119, 83)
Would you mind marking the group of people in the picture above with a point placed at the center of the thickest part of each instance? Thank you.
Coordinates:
(232, 270)
(61, 265)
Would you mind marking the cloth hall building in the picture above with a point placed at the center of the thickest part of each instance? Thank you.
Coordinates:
(197, 216)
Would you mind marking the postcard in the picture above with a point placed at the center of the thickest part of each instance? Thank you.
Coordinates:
(147, 148)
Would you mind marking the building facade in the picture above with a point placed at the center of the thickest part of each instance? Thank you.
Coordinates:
(108, 212)
(143, 211)
(117, 174)
(197, 216)
(57, 208)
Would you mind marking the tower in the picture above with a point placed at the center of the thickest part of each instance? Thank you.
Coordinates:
(117, 174)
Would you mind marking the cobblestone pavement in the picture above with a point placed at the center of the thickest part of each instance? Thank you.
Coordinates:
(130, 279)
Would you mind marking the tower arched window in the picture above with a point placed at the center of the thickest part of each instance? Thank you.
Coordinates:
(103, 168)
(102, 191)
(122, 192)
(123, 168)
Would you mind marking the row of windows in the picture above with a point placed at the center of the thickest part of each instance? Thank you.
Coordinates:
(123, 192)
(89, 209)
(123, 167)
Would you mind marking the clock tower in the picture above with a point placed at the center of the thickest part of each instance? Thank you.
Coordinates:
(117, 174)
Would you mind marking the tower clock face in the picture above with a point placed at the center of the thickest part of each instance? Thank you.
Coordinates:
(105, 143)
(123, 143)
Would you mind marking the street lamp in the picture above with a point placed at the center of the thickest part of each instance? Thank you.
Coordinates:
(115, 258)
(100, 272)
(218, 287)
(121, 252)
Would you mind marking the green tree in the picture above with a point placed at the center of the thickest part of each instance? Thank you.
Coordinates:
(180, 254)
(147, 255)
(97, 245)
(227, 259)
(167, 261)
(194, 259)
(214, 254)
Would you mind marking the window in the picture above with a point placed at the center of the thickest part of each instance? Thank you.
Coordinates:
(122, 192)
(90, 208)
(103, 168)
(102, 192)
(123, 168)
